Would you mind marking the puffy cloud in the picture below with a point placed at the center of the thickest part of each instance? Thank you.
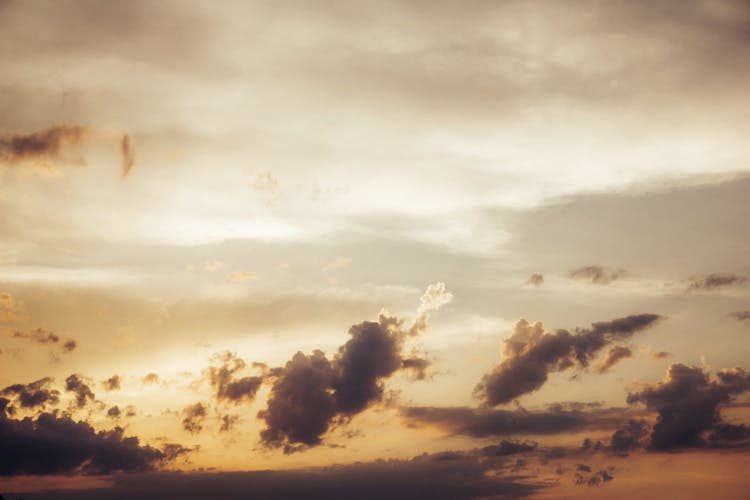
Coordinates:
(34, 394)
(596, 274)
(630, 437)
(114, 412)
(226, 386)
(659, 355)
(531, 353)
(688, 403)
(613, 356)
(112, 383)
(49, 444)
(417, 366)
(78, 385)
(311, 393)
(714, 281)
(195, 415)
(150, 378)
(42, 336)
(228, 422)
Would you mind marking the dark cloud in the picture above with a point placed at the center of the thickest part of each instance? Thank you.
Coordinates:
(630, 437)
(596, 479)
(483, 422)
(531, 354)
(454, 476)
(76, 383)
(228, 422)
(112, 383)
(128, 155)
(42, 336)
(613, 356)
(226, 386)
(741, 315)
(34, 394)
(660, 355)
(688, 403)
(114, 412)
(44, 145)
(311, 393)
(715, 281)
(596, 274)
(417, 366)
(195, 415)
(301, 405)
(536, 280)
(506, 448)
(49, 444)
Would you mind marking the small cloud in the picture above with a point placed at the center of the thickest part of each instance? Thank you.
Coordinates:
(150, 378)
(715, 281)
(240, 276)
(213, 265)
(535, 279)
(741, 315)
(112, 383)
(11, 311)
(338, 263)
(128, 155)
(596, 274)
(660, 355)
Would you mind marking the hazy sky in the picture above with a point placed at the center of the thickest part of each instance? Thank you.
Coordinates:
(439, 249)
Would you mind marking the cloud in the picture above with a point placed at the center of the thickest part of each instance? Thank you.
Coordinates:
(659, 355)
(44, 145)
(34, 394)
(613, 356)
(688, 403)
(112, 383)
(150, 378)
(76, 383)
(42, 336)
(715, 281)
(444, 476)
(311, 393)
(741, 315)
(226, 386)
(484, 422)
(531, 354)
(195, 415)
(596, 274)
(50, 444)
(597, 479)
(630, 437)
(10, 310)
(240, 276)
(228, 422)
(128, 155)
(535, 279)
(417, 366)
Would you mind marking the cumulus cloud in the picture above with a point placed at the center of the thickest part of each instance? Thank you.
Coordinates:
(78, 385)
(112, 383)
(688, 403)
(596, 274)
(311, 393)
(531, 353)
(417, 366)
(715, 281)
(50, 444)
(34, 394)
(613, 356)
(150, 378)
(630, 437)
(194, 416)
(226, 385)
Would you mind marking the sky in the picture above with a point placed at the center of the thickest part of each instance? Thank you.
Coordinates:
(328, 249)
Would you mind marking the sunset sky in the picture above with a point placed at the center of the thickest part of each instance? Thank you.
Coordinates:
(331, 249)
